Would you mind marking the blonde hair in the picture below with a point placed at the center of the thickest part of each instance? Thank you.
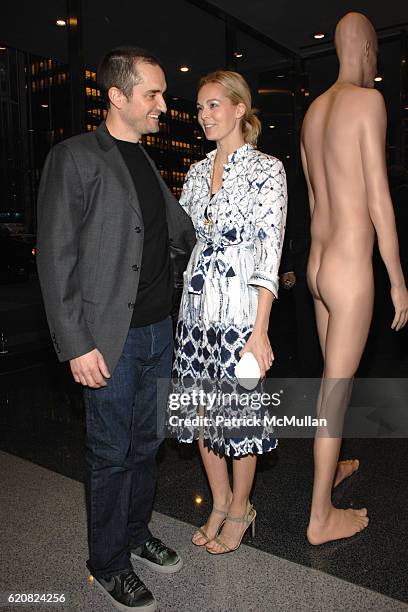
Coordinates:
(237, 90)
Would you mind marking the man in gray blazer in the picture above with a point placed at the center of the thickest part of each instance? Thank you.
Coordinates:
(107, 225)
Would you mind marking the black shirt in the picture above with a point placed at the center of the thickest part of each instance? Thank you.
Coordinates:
(155, 292)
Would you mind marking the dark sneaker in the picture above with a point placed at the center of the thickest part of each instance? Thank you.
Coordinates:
(158, 556)
(127, 591)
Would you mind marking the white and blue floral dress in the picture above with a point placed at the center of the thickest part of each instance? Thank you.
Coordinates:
(240, 234)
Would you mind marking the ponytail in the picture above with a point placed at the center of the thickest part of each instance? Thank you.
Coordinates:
(251, 127)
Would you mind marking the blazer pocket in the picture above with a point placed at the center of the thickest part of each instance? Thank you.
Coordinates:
(89, 310)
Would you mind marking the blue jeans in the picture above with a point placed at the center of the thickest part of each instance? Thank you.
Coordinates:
(121, 446)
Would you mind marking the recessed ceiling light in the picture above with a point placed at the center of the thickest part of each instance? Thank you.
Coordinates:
(271, 126)
(238, 54)
(405, 107)
(3, 48)
(378, 79)
(280, 76)
(61, 23)
(319, 35)
(184, 69)
(44, 105)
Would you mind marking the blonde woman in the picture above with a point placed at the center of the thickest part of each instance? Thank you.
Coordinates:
(236, 198)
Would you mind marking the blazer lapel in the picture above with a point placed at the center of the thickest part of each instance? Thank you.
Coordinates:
(116, 162)
(121, 170)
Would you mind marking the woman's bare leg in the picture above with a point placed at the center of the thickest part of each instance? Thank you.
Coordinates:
(217, 474)
(244, 472)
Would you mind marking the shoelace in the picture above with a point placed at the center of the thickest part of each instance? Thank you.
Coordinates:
(132, 582)
(156, 546)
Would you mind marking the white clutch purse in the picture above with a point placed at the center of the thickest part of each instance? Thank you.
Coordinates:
(247, 371)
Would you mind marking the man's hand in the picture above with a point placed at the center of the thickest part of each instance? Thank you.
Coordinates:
(288, 280)
(258, 344)
(90, 369)
(399, 296)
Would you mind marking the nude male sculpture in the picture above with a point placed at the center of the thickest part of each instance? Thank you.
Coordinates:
(343, 155)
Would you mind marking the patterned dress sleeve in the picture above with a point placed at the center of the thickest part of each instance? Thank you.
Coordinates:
(186, 197)
(270, 218)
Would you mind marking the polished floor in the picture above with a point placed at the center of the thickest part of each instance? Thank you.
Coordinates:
(43, 540)
(44, 545)
(41, 420)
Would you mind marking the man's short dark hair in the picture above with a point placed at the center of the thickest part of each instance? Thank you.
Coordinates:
(118, 68)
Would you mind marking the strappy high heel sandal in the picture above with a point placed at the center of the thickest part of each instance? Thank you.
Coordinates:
(248, 519)
(204, 534)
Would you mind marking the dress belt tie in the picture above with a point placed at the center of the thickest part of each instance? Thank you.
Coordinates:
(212, 261)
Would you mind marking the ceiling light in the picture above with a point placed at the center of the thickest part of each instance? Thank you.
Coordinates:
(199, 137)
(378, 79)
(61, 23)
(280, 76)
(405, 107)
(184, 69)
(271, 126)
(44, 105)
(238, 54)
(3, 48)
(319, 35)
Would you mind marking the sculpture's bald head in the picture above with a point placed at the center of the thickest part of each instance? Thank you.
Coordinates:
(356, 45)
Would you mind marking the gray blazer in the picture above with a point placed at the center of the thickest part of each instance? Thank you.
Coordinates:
(90, 242)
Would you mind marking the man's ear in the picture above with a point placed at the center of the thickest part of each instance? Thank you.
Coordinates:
(116, 97)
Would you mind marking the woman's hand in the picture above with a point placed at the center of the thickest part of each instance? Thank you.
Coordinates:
(258, 344)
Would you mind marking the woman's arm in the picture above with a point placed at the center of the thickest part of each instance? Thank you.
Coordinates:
(269, 235)
(188, 189)
(258, 343)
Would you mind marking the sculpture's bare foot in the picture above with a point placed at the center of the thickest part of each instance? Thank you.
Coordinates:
(344, 470)
(339, 524)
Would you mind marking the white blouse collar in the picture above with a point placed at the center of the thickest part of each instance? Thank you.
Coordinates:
(235, 155)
